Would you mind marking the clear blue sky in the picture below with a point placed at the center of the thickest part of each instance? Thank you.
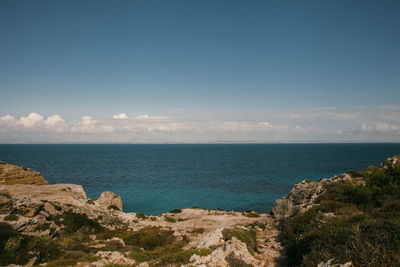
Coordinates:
(102, 58)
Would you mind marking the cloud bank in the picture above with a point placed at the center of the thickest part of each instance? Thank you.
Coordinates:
(360, 124)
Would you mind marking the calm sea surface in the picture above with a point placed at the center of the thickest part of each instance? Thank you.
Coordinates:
(158, 178)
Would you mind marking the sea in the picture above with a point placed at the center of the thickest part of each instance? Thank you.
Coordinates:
(154, 178)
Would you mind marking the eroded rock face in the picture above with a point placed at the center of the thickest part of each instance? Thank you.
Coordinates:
(304, 195)
(108, 199)
(14, 174)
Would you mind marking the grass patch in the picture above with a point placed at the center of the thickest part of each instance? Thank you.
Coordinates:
(89, 258)
(166, 255)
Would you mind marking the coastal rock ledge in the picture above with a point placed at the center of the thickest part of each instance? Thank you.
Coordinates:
(15, 174)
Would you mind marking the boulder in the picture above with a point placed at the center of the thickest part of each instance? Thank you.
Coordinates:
(15, 174)
(112, 257)
(108, 199)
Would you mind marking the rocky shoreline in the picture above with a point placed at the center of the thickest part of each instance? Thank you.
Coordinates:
(96, 232)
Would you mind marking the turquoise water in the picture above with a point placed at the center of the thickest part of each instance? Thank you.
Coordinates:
(158, 178)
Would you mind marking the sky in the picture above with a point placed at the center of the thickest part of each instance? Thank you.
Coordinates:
(199, 71)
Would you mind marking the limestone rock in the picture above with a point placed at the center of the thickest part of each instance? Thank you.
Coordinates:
(233, 247)
(59, 193)
(116, 242)
(107, 199)
(330, 263)
(304, 195)
(15, 174)
(112, 257)
(212, 239)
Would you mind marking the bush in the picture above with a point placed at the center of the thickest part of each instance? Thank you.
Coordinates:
(150, 238)
(77, 222)
(197, 231)
(251, 214)
(19, 249)
(140, 215)
(244, 235)
(175, 211)
(11, 217)
(166, 255)
(365, 228)
(113, 207)
(170, 219)
(236, 262)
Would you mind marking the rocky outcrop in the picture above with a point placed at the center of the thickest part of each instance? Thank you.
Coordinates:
(304, 195)
(109, 199)
(15, 174)
(234, 249)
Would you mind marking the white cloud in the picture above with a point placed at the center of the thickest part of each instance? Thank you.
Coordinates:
(7, 118)
(30, 121)
(142, 117)
(120, 116)
(87, 120)
(147, 117)
(53, 120)
(375, 123)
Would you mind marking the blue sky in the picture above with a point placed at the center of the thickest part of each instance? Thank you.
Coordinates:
(200, 64)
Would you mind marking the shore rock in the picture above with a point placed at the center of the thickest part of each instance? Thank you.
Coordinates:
(15, 174)
(304, 195)
(108, 199)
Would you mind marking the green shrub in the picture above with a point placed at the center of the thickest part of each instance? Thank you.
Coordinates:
(236, 262)
(176, 211)
(166, 255)
(365, 228)
(75, 222)
(140, 215)
(19, 249)
(150, 238)
(11, 217)
(170, 219)
(197, 231)
(251, 214)
(113, 207)
(244, 235)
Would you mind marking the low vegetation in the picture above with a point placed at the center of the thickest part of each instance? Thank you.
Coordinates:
(11, 217)
(19, 249)
(170, 219)
(244, 235)
(236, 262)
(176, 211)
(353, 223)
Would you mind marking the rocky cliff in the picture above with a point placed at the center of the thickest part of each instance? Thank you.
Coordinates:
(15, 174)
(305, 194)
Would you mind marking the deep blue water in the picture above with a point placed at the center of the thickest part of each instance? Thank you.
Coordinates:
(158, 178)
